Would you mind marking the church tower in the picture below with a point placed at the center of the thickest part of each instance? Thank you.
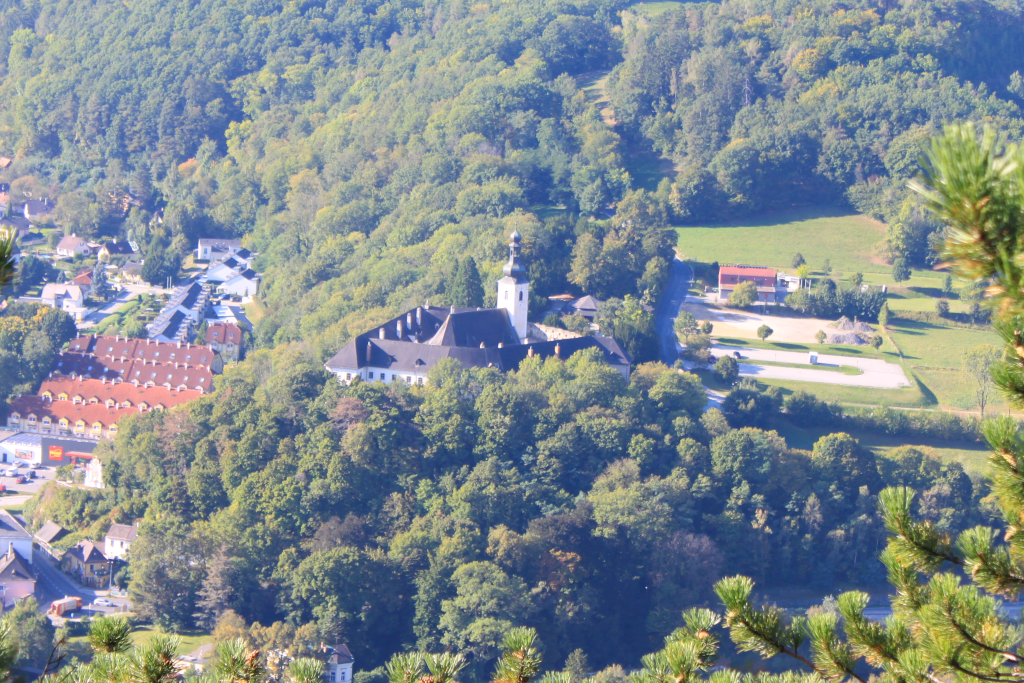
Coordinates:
(514, 288)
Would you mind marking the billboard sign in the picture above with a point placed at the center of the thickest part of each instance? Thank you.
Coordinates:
(56, 452)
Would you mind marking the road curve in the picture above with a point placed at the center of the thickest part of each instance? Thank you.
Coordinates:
(668, 309)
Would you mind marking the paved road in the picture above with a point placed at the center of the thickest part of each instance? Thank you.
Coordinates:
(878, 374)
(668, 309)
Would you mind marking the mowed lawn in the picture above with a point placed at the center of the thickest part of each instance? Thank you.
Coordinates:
(847, 240)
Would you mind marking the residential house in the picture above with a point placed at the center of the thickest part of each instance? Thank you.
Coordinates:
(84, 281)
(12, 533)
(48, 534)
(72, 244)
(226, 339)
(764, 279)
(17, 577)
(34, 208)
(115, 248)
(118, 541)
(16, 223)
(245, 283)
(338, 668)
(87, 564)
(407, 347)
(224, 270)
(215, 249)
(67, 297)
(132, 272)
(185, 310)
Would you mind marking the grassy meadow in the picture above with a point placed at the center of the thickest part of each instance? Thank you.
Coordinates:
(846, 239)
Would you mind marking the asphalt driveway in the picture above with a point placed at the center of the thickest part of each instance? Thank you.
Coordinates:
(878, 374)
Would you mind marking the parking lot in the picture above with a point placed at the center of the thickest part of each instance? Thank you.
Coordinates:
(33, 482)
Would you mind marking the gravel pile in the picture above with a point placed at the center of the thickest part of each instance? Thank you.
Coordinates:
(847, 338)
(847, 325)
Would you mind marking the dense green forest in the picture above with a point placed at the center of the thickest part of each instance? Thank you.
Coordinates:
(364, 149)
(558, 496)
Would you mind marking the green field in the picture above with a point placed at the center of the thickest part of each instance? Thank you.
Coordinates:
(935, 345)
(974, 457)
(846, 239)
(653, 9)
(909, 397)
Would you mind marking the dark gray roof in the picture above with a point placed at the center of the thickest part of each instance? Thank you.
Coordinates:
(9, 527)
(51, 532)
(13, 567)
(169, 326)
(458, 335)
(118, 248)
(340, 655)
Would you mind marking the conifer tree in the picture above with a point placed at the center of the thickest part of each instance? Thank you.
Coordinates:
(465, 289)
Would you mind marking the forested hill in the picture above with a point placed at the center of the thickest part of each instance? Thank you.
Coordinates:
(767, 104)
(367, 146)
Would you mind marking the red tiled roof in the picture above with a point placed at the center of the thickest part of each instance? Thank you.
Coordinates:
(83, 279)
(128, 370)
(746, 270)
(143, 349)
(120, 392)
(223, 333)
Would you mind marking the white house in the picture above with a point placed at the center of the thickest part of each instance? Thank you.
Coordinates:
(214, 249)
(62, 295)
(339, 665)
(222, 271)
(70, 245)
(244, 284)
(34, 208)
(119, 540)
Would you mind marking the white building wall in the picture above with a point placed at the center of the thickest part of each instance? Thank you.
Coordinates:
(515, 299)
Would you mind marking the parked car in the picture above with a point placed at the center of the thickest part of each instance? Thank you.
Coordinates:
(30, 474)
(10, 472)
(736, 354)
(35, 466)
(103, 602)
(21, 479)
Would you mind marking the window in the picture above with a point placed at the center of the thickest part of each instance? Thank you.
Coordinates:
(506, 296)
(408, 379)
(15, 417)
(371, 374)
(520, 296)
(113, 430)
(348, 375)
(332, 676)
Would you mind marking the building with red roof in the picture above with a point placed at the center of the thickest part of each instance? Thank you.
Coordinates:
(765, 279)
(226, 339)
(100, 380)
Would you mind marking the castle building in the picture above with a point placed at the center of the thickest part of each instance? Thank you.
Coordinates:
(405, 348)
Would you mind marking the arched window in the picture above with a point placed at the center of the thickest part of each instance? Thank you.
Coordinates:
(520, 296)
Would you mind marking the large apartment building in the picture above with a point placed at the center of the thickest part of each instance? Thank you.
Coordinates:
(100, 380)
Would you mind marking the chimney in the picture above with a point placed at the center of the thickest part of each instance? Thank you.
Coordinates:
(558, 350)
(408, 320)
(10, 550)
(369, 351)
(380, 333)
(398, 328)
(482, 345)
(453, 309)
(426, 303)
(530, 352)
(419, 316)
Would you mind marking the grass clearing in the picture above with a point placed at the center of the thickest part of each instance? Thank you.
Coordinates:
(973, 456)
(190, 640)
(846, 239)
(908, 397)
(653, 9)
(933, 345)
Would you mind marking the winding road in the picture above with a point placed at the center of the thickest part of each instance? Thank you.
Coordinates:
(668, 309)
